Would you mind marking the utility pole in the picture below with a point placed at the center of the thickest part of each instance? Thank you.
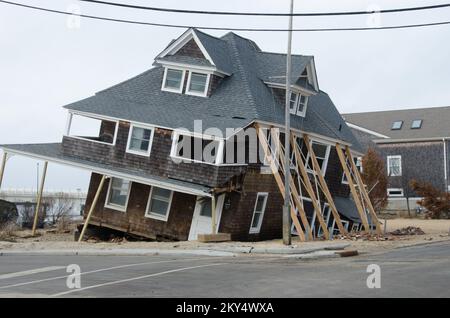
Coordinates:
(287, 135)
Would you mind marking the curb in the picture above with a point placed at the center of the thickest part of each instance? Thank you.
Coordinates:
(144, 252)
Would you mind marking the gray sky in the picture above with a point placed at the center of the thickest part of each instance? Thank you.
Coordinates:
(45, 65)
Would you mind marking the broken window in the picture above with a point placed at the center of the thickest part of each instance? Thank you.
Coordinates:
(258, 212)
(394, 166)
(118, 193)
(322, 153)
(159, 203)
(91, 128)
(140, 140)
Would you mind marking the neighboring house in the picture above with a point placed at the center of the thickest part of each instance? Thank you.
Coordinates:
(158, 188)
(414, 144)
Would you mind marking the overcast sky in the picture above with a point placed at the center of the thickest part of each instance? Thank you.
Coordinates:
(44, 64)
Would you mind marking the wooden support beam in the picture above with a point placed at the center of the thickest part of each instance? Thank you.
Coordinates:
(213, 214)
(308, 186)
(92, 208)
(278, 179)
(363, 191)
(355, 194)
(2, 167)
(39, 199)
(297, 199)
(323, 185)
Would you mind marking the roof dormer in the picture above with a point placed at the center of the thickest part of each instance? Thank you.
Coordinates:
(192, 62)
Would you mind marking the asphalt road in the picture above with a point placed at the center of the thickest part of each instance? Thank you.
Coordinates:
(421, 271)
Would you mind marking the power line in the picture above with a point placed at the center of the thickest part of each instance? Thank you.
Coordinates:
(311, 14)
(405, 26)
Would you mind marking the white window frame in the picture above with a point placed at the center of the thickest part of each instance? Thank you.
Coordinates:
(360, 169)
(325, 162)
(219, 155)
(69, 126)
(389, 158)
(257, 229)
(115, 206)
(303, 113)
(135, 152)
(156, 216)
(169, 89)
(193, 93)
(395, 195)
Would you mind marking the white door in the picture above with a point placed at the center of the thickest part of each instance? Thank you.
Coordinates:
(202, 219)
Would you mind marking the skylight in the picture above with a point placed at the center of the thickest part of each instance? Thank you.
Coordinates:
(416, 124)
(397, 125)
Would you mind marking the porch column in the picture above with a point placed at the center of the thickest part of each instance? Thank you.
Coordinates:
(213, 214)
(91, 209)
(39, 199)
(2, 167)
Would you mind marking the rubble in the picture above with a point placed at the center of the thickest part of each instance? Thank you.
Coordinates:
(410, 230)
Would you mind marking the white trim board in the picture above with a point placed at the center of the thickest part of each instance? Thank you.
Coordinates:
(110, 173)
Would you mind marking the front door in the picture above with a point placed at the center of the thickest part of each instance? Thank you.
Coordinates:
(202, 219)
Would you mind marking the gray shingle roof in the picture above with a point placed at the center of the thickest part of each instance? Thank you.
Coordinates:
(239, 99)
(434, 125)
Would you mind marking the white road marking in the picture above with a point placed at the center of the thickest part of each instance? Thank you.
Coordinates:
(135, 278)
(31, 272)
(103, 270)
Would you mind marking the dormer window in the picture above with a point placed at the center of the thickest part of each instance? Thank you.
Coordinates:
(197, 84)
(297, 104)
(173, 80)
(397, 125)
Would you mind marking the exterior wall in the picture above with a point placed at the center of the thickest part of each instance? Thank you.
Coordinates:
(134, 220)
(159, 163)
(237, 220)
(190, 49)
(423, 161)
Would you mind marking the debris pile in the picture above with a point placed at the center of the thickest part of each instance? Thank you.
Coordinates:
(410, 230)
(360, 236)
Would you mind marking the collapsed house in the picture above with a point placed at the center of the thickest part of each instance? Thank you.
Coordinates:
(223, 98)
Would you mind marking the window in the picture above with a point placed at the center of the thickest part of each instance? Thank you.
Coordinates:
(258, 212)
(140, 140)
(397, 125)
(293, 103)
(197, 84)
(118, 193)
(158, 205)
(394, 166)
(91, 129)
(173, 80)
(395, 192)
(303, 101)
(358, 163)
(297, 104)
(416, 124)
(322, 153)
(196, 149)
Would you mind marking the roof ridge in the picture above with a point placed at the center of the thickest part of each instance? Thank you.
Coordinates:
(240, 69)
(399, 110)
(279, 53)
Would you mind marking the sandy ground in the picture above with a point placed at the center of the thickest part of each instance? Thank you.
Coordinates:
(435, 230)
